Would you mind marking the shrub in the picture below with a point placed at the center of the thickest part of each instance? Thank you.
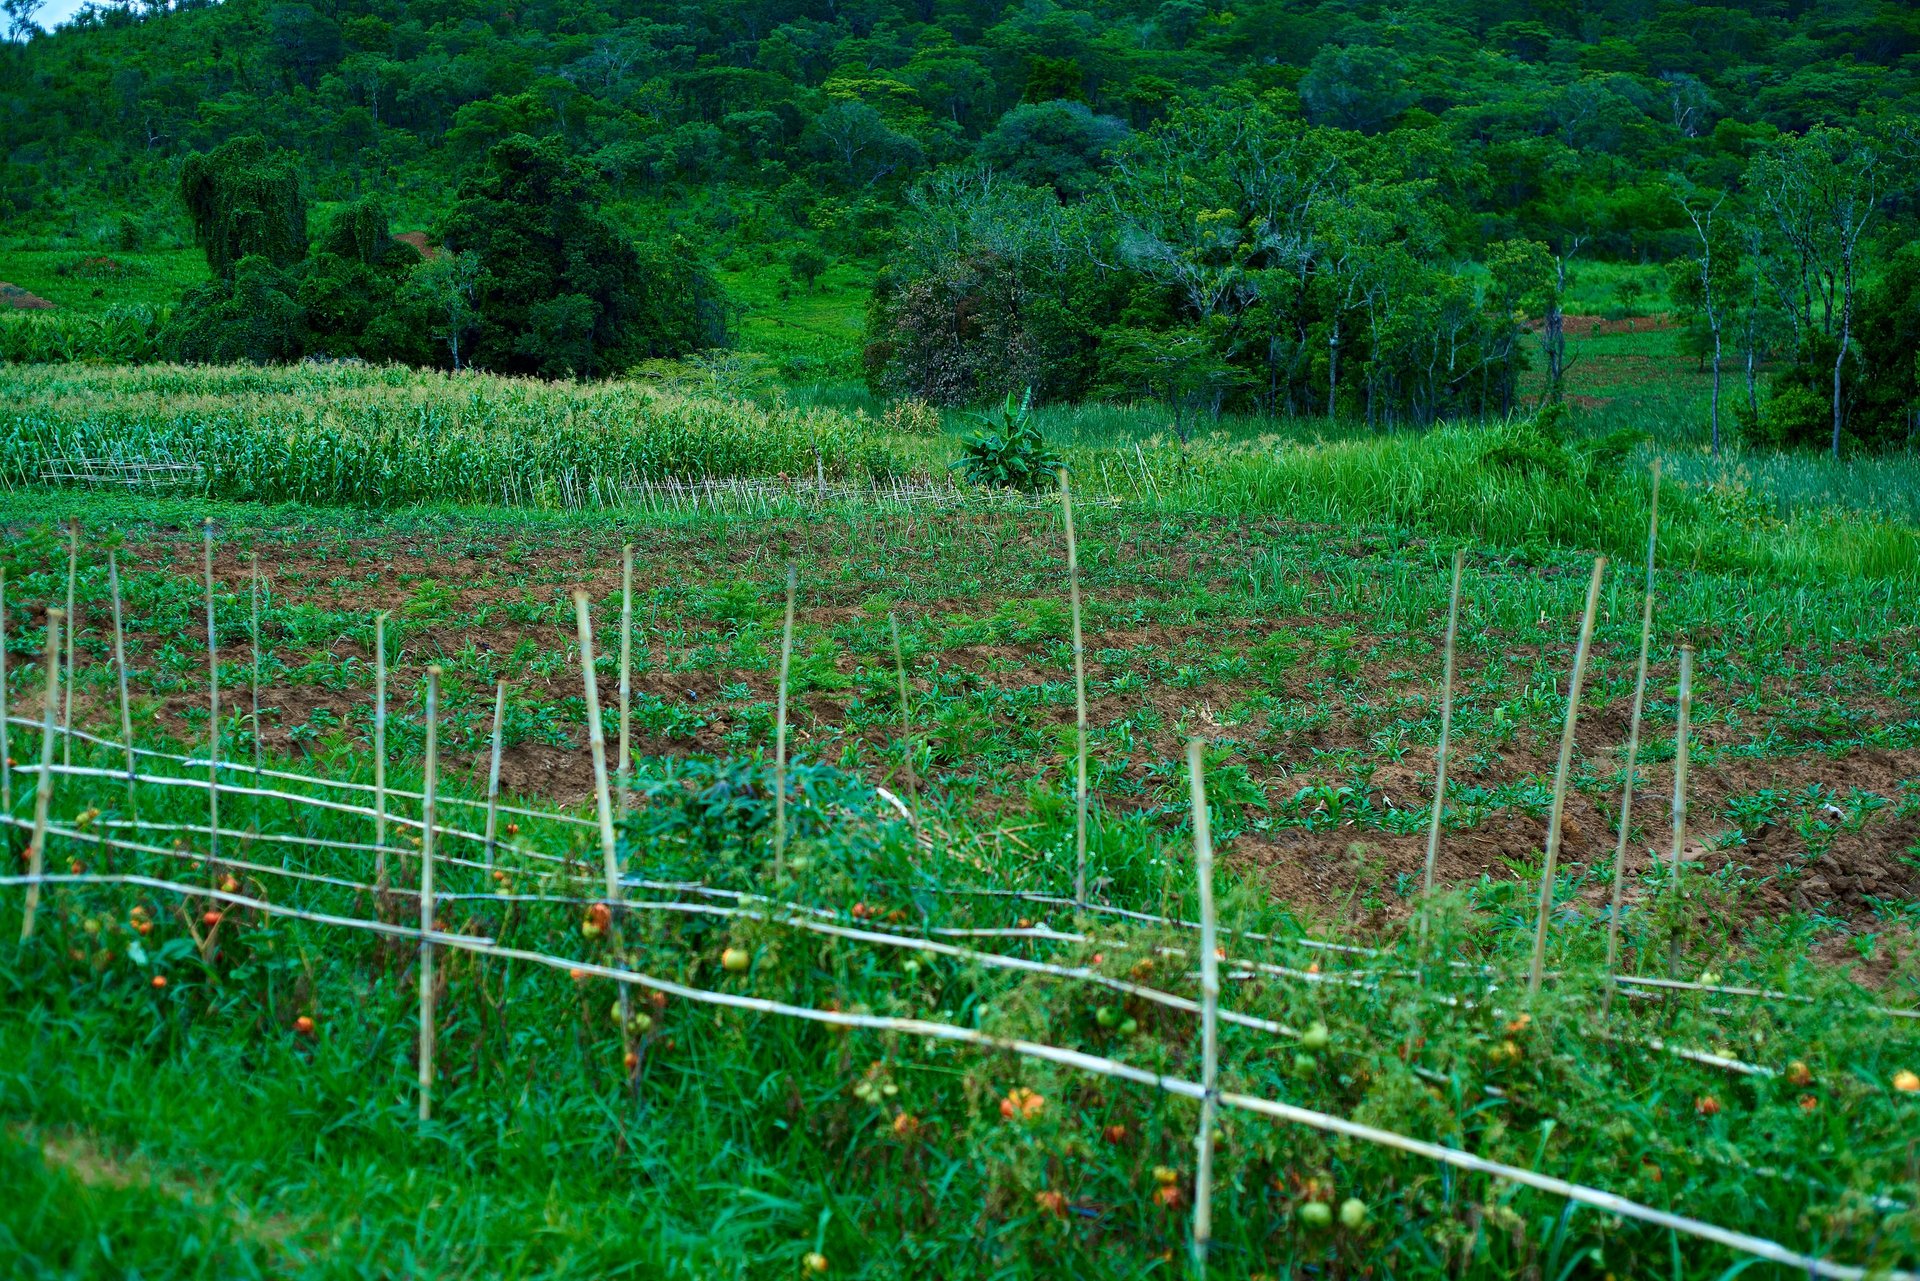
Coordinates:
(1008, 451)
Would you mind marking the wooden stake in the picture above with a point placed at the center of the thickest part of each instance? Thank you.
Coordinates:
(493, 772)
(1080, 703)
(1446, 732)
(603, 801)
(1561, 772)
(780, 736)
(626, 679)
(6, 742)
(380, 750)
(120, 672)
(73, 625)
(906, 715)
(427, 807)
(1681, 734)
(213, 702)
(255, 556)
(1209, 1011)
(43, 793)
(1633, 752)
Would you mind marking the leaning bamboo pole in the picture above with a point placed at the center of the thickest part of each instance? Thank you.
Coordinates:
(6, 741)
(1633, 751)
(120, 674)
(1682, 734)
(380, 747)
(624, 771)
(603, 805)
(73, 625)
(1560, 775)
(1446, 733)
(1079, 701)
(254, 557)
(780, 735)
(1209, 1011)
(906, 717)
(493, 770)
(213, 698)
(43, 791)
(428, 787)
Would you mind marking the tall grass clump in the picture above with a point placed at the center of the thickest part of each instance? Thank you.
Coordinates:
(1515, 487)
(376, 436)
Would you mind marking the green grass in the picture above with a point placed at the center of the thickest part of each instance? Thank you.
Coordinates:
(88, 282)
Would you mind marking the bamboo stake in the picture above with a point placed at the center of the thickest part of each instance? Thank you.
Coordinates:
(603, 803)
(1080, 703)
(73, 625)
(1633, 751)
(213, 699)
(1446, 732)
(1680, 745)
(625, 771)
(906, 715)
(255, 556)
(780, 736)
(6, 741)
(1561, 772)
(428, 788)
(43, 792)
(120, 671)
(380, 748)
(1209, 1011)
(493, 772)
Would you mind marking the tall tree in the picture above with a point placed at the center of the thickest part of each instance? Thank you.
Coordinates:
(244, 200)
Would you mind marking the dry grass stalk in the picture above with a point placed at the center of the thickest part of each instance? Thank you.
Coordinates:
(603, 802)
(73, 625)
(43, 792)
(493, 771)
(780, 736)
(1560, 774)
(1079, 702)
(1633, 750)
(120, 672)
(430, 784)
(1680, 745)
(1209, 1010)
(906, 716)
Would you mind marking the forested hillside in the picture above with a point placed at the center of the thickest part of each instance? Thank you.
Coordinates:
(1295, 207)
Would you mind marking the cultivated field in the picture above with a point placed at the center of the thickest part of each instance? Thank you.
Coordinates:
(859, 1023)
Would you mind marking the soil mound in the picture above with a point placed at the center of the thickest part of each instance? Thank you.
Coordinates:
(20, 300)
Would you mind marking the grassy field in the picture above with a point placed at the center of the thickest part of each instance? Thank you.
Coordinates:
(196, 1130)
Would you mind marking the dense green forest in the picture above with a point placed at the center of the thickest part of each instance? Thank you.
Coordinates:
(1353, 209)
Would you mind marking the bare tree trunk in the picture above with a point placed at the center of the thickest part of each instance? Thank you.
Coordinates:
(1333, 365)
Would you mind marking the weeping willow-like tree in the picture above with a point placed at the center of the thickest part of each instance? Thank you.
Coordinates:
(244, 199)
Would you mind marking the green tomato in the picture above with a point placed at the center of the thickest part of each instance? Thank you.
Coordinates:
(1305, 1065)
(1353, 1213)
(1107, 1016)
(1316, 1214)
(1129, 1026)
(1316, 1037)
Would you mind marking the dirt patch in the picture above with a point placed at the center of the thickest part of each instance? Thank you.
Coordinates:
(418, 239)
(20, 300)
